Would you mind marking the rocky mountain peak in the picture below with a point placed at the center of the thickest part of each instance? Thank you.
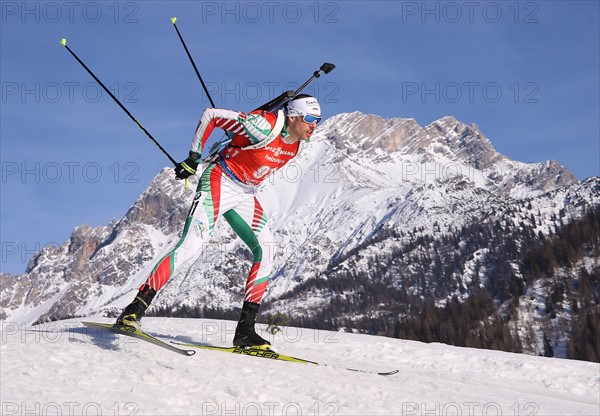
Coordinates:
(447, 142)
(359, 132)
(363, 133)
(459, 141)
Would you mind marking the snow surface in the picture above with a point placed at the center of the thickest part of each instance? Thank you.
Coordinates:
(64, 368)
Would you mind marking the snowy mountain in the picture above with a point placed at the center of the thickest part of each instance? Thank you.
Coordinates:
(363, 187)
(65, 368)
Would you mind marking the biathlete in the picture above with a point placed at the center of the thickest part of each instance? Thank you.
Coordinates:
(262, 143)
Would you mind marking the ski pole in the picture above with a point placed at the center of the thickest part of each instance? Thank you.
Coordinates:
(173, 20)
(229, 134)
(64, 43)
(274, 103)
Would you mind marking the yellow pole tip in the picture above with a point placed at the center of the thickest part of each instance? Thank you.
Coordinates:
(173, 20)
(63, 42)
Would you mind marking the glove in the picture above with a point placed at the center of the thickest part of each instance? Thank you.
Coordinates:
(187, 168)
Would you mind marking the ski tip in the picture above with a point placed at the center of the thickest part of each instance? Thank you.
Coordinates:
(382, 373)
(173, 19)
(63, 42)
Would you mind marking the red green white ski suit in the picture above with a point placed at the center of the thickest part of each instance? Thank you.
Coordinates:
(227, 189)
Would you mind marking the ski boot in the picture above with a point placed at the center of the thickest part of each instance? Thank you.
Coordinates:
(133, 313)
(245, 335)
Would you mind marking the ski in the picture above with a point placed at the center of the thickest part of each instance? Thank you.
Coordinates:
(270, 354)
(253, 352)
(139, 334)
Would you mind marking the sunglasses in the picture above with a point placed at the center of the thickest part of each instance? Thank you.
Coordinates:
(309, 118)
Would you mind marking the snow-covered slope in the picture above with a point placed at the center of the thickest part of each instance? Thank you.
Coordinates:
(64, 368)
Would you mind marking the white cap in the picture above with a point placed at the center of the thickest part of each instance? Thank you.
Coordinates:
(303, 106)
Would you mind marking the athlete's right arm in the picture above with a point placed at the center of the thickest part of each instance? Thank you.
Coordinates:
(228, 120)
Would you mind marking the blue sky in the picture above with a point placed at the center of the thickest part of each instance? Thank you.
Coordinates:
(527, 73)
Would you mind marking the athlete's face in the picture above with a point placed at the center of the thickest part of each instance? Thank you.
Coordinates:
(300, 129)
